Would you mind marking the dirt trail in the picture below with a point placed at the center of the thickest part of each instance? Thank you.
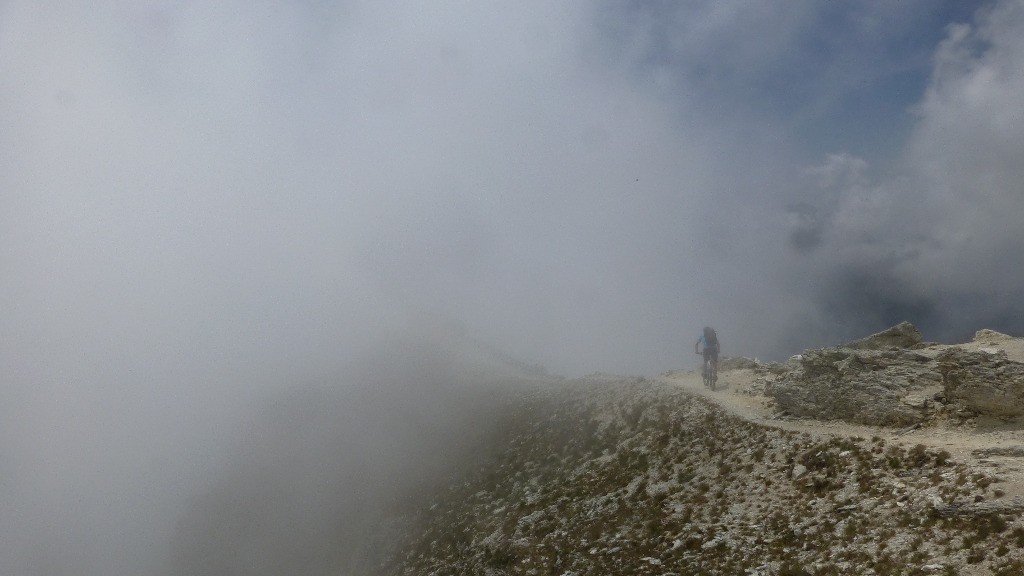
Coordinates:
(976, 444)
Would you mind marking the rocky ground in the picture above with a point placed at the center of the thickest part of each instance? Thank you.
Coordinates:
(609, 475)
(942, 392)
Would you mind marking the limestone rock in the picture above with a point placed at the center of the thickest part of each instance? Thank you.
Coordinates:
(985, 382)
(987, 336)
(902, 335)
(798, 471)
(880, 380)
(864, 386)
(843, 384)
(892, 379)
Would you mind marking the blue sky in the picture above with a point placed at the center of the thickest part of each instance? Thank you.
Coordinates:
(203, 204)
(836, 75)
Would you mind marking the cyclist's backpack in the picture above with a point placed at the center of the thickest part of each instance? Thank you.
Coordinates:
(710, 338)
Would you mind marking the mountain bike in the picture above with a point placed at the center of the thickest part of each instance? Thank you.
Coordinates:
(709, 372)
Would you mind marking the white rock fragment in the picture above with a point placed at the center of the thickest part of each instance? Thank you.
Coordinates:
(799, 470)
(717, 540)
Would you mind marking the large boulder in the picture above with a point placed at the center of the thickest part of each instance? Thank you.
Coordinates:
(892, 379)
(902, 335)
(986, 336)
(984, 381)
(864, 386)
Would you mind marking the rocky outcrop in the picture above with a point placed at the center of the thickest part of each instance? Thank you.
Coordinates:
(991, 337)
(878, 380)
(861, 385)
(902, 335)
(984, 381)
(892, 378)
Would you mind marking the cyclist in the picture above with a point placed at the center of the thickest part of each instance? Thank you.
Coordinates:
(711, 347)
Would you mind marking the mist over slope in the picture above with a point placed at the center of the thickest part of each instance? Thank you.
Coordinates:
(311, 488)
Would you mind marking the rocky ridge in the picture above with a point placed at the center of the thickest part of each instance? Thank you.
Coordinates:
(611, 475)
(893, 378)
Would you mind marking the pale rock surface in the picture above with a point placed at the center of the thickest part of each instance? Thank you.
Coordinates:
(892, 378)
(984, 381)
(902, 335)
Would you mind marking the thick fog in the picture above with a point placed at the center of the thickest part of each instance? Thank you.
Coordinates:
(211, 209)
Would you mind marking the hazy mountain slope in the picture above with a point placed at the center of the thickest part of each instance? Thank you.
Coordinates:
(614, 476)
(307, 491)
